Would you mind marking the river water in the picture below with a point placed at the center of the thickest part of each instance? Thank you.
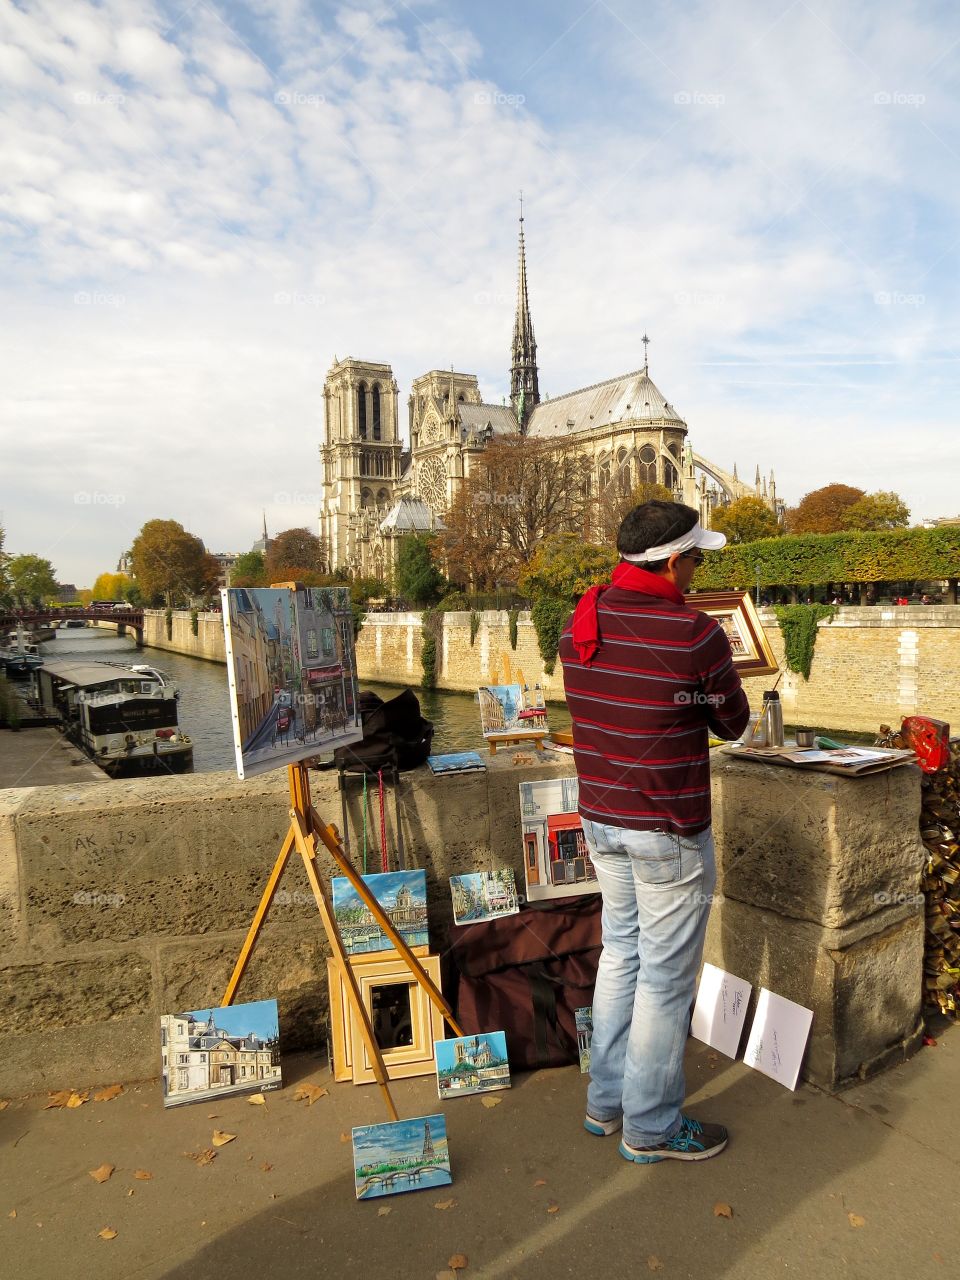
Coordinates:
(205, 702)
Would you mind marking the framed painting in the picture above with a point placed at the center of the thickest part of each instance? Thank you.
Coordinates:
(400, 1155)
(406, 1023)
(403, 897)
(737, 615)
(209, 1053)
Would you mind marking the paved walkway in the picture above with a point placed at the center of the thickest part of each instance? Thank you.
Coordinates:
(43, 758)
(279, 1200)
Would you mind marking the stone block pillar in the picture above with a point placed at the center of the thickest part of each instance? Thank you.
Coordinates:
(818, 899)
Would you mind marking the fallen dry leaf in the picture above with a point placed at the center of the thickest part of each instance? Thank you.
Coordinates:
(201, 1157)
(345, 1137)
(213, 1115)
(142, 1175)
(490, 1102)
(220, 1139)
(130, 1192)
(855, 1220)
(102, 1174)
(721, 1210)
(446, 1204)
(383, 1211)
(654, 1263)
(457, 1261)
(108, 1093)
(12, 1213)
(257, 1100)
(540, 1182)
(78, 1099)
(107, 1233)
(309, 1091)
(266, 1167)
(4, 1103)
(59, 1099)
(553, 1207)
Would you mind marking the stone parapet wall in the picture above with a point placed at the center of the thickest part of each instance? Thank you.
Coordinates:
(123, 900)
(207, 643)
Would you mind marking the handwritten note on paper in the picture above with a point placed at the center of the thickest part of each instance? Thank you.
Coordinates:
(778, 1038)
(720, 1010)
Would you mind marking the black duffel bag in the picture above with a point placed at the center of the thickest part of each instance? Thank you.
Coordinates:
(394, 733)
(526, 975)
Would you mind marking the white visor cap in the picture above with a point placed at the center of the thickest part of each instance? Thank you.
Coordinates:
(705, 539)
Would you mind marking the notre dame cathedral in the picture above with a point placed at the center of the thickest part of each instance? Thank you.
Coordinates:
(375, 490)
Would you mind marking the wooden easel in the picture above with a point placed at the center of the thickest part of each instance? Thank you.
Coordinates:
(522, 737)
(306, 829)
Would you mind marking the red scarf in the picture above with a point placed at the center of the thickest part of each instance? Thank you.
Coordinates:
(628, 577)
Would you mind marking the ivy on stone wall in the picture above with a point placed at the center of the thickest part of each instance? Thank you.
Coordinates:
(168, 618)
(194, 622)
(474, 625)
(513, 616)
(798, 626)
(431, 631)
(548, 616)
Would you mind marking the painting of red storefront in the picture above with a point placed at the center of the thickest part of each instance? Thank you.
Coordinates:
(555, 857)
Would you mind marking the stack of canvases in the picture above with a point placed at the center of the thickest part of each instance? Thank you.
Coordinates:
(405, 1021)
(940, 829)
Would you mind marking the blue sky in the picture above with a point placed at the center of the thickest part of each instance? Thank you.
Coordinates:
(379, 1141)
(384, 886)
(257, 1017)
(206, 202)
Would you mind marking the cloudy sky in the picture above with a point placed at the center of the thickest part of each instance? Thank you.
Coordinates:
(202, 203)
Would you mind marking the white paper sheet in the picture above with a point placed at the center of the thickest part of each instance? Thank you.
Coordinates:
(778, 1038)
(720, 1010)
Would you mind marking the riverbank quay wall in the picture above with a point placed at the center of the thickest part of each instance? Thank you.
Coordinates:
(123, 900)
(870, 665)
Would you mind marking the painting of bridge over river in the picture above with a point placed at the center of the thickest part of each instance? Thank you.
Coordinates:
(403, 896)
(400, 1155)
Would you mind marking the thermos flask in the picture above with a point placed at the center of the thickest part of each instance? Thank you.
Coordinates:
(773, 716)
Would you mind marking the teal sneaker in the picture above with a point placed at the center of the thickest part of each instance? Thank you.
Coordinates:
(602, 1128)
(692, 1141)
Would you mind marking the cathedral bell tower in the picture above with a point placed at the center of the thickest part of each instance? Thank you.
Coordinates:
(524, 378)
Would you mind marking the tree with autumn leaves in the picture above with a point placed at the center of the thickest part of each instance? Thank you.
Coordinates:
(836, 508)
(172, 566)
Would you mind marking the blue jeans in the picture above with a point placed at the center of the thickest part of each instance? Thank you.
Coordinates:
(657, 889)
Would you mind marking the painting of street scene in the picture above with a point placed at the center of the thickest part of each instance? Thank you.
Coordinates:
(507, 710)
(403, 896)
(484, 895)
(584, 1021)
(400, 1155)
(208, 1053)
(556, 861)
(292, 673)
(472, 1064)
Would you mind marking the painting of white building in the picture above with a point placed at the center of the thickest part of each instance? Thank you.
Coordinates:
(207, 1053)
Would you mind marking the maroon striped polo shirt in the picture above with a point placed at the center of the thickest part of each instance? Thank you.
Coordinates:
(662, 676)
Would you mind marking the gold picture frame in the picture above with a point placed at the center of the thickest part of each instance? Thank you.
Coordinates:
(737, 615)
(387, 988)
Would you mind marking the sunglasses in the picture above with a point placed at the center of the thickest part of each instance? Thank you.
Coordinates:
(696, 557)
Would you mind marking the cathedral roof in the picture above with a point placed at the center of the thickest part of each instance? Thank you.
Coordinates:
(631, 397)
(499, 417)
(407, 516)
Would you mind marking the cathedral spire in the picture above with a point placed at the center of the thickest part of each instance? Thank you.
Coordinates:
(524, 378)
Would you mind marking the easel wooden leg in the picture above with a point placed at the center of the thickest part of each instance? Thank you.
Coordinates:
(260, 915)
(330, 838)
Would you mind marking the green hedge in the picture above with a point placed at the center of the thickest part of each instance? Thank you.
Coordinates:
(815, 559)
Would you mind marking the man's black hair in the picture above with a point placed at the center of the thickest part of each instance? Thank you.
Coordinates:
(651, 525)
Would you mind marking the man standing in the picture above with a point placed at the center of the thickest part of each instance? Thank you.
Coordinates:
(646, 677)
